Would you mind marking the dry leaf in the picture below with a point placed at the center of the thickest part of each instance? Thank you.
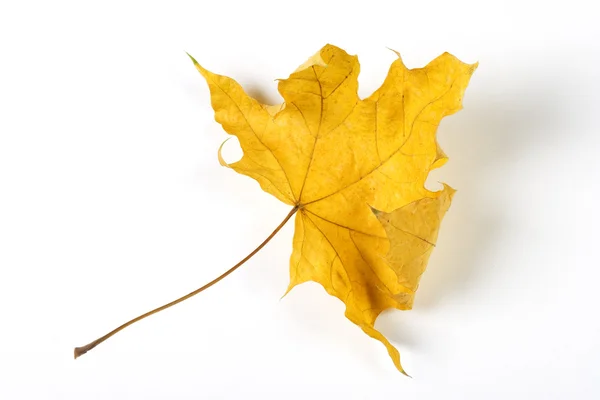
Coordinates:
(412, 231)
(336, 158)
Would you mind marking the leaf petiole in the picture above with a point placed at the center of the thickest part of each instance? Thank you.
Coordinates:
(79, 351)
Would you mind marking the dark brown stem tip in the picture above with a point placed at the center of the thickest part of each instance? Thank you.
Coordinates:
(79, 351)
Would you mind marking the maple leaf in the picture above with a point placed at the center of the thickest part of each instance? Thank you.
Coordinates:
(354, 171)
(338, 160)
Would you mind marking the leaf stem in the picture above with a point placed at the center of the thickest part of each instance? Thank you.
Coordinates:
(79, 351)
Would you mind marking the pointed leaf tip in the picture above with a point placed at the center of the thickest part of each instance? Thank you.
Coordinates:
(395, 52)
(192, 58)
(374, 210)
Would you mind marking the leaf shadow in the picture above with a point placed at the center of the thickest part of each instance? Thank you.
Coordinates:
(263, 96)
(497, 128)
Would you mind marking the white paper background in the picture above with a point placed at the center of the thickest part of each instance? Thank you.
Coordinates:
(112, 202)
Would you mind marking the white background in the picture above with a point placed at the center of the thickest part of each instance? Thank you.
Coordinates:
(112, 202)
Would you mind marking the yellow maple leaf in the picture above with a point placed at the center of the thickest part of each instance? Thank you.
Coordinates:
(354, 171)
(337, 159)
